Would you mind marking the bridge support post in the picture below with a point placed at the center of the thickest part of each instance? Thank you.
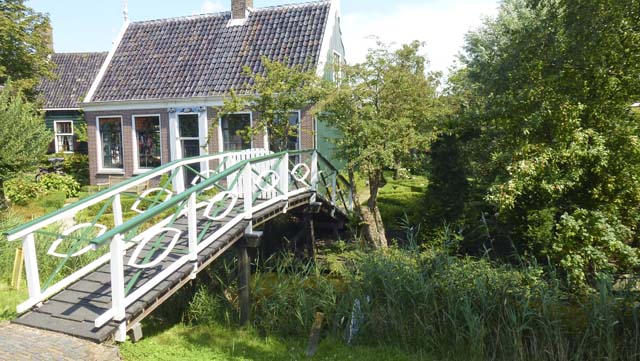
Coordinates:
(250, 240)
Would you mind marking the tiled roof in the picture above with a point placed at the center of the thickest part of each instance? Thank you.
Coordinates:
(72, 77)
(200, 56)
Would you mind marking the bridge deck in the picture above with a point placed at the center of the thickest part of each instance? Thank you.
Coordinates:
(73, 310)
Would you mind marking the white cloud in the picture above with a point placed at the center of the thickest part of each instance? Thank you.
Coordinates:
(440, 24)
(211, 7)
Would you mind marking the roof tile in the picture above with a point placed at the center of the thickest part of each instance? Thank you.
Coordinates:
(72, 77)
(199, 55)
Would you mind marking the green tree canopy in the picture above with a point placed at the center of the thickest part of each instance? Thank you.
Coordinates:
(24, 135)
(24, 44)
(271, 96)
(383, 109)
(556, 159)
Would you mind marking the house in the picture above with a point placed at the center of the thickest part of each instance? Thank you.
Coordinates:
(73, 74)
(154, 98)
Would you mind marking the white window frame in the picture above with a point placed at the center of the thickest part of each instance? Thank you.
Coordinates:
(201, 138)
(221, 138)
(134, 142)
(101, 168)
(56, 134)
(299, 145)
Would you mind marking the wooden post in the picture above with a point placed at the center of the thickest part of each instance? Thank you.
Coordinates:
(310, 236)
(250, 240)
(16, 277)
(244, 271)
(316, 331)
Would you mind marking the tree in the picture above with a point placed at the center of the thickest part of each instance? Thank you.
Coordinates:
(382, 109)
(24, 45)
(273, 95)
(24, 135)
(557, 156)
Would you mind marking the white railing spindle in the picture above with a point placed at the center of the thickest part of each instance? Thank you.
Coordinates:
(117, 264)
(334, 188)
(314, 175)
(284, 175)
(193, 227)
(31, 265)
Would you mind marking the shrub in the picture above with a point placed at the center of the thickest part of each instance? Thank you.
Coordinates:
(20, 190)
(77, 166)
(57, 182)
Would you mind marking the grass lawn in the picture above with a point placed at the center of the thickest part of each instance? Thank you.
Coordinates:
(215, 342)
(397, 197)
(9, 299)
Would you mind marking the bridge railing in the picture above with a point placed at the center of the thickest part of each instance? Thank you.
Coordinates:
(228, 187)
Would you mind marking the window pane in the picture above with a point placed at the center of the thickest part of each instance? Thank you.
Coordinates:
(188, 125)
(111, 138)
(232, 127)
(65, 143)
(64, 128)
(148, 139)
(64, 136)
(277, 143)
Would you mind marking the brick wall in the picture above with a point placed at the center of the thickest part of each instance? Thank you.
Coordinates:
(127, 141)
(307, 139)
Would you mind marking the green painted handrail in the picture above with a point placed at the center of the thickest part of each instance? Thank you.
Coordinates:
(122, 185)
(152, 212)
(173, 201)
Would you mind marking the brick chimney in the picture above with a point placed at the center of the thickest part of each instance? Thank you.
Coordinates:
(239, 8)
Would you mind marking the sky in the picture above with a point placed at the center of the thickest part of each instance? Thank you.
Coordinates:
(91, 25)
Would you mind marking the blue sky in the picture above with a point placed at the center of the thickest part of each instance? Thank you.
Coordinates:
(91, 25)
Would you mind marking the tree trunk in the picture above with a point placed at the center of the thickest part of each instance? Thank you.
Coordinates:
(373, 229)
(3, 200)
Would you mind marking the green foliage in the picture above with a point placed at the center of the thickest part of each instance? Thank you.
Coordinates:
(23, 132)
(385, 109)
(55, 188)
(77, 166)
(380, 131)
(24, 44)
(272, 95)
(60, 182)
(286, 299)
(430, 302)
(552, 148)
(218, 342)
(20, 190)
(448, 186)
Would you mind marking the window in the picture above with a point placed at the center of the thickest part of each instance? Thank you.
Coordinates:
(292, 141)
(110, 142)
(147, 138)
(233, 127)
(63, 136)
